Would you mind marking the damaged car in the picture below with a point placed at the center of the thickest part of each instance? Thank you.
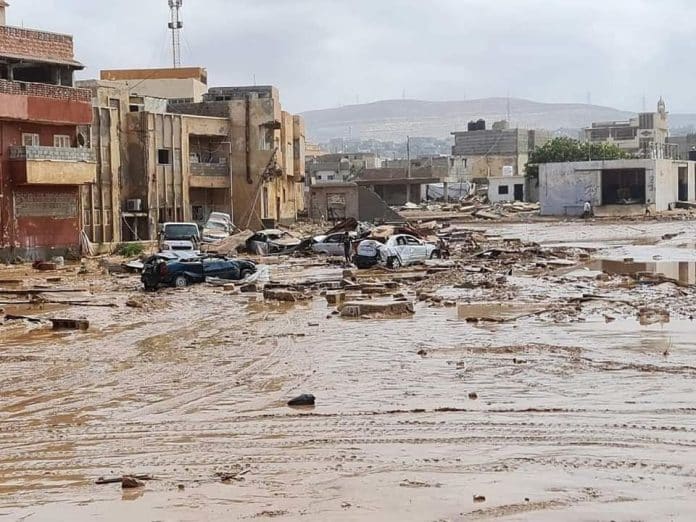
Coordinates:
(272, 241)
(163, 271)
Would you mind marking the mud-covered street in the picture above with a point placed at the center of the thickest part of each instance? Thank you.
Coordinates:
(551, 384)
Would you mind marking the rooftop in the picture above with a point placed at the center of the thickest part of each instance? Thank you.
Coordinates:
(167, 73)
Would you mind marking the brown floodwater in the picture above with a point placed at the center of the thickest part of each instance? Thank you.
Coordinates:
(548, 419)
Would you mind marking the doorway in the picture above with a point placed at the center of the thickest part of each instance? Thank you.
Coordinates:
(519, 192)
(683, 184)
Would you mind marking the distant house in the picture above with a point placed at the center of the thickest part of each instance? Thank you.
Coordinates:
(645, 136)
(615, 187)
(496, 156)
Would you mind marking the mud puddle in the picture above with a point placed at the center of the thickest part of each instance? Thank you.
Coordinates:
(578, 414)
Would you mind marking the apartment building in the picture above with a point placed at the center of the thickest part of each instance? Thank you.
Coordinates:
(46, 155)
(644, 136)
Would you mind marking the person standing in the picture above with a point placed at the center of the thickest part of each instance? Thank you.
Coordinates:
(587, 210)
(347, 246)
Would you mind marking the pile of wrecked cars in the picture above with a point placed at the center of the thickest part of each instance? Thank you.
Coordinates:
(170, 270)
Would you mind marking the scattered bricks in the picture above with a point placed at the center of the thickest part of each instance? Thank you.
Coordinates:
(335, 298)
(284, 295)
(131, 483)
(349, 274)
(70, 324)
(383, 308)
(249, 288)
(350, 286)
(374, 289)
(45, 266)
(229, 287)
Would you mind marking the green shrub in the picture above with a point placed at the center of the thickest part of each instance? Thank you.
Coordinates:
(130, 249)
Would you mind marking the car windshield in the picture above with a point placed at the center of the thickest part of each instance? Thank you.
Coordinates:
(178, 232)
(216, 225)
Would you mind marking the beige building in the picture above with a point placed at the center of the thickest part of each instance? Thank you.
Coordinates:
(183, 84)
(644, 136)
(267, 153)
(160, 162)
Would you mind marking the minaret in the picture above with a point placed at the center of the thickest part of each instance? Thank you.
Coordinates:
(3, 6)
(662, 107)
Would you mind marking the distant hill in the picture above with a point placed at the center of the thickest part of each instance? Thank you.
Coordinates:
(393, 120)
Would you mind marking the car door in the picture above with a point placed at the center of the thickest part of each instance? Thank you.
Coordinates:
(402, 249)
(333, 245)
(417, 250)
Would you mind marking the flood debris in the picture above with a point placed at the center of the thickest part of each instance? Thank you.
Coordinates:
(236, 476)
(377, 309)
(306, 399)
(127, 481)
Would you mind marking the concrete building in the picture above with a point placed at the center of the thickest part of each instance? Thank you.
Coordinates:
(496, 157)
(398, 184)
(266, 151)
(338, 201)
(101, 199)
(644, 136)
(683, 146)
(45, 147)
(616, 187)
(339, 168)
(183, 84)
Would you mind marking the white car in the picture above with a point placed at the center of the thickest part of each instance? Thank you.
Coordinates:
(332, 244)
(403, 250)
(179, 236)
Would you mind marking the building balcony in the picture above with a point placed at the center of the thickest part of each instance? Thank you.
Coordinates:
(209, 175)
(45, 103)
(53, 165)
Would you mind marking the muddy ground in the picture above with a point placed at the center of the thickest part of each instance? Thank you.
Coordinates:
(554, 385)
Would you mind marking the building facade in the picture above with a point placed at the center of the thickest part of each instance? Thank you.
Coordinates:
(183, 84)
(616, 187)
(339, 168)
(45, 153)
(644, 136)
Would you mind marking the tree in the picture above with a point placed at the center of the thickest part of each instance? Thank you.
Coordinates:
(563, 150)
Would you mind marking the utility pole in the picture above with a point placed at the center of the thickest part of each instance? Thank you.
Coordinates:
(408, 169)
(175, 26)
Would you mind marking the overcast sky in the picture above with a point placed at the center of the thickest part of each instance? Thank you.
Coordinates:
(326, 53)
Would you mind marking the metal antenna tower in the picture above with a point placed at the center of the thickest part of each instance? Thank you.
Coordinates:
(175, 26)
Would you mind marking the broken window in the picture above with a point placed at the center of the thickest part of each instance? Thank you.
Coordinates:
(30, 140)
(164, 157)
(61, 140)
(503, 190)
(265, 137)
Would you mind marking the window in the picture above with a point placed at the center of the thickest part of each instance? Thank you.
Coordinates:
(30, 140)
(134, 108)
(503, 190)
(164, 157)
(61, 140)
(87, 218)
(107, 217)
(97, 217)
(412, 241)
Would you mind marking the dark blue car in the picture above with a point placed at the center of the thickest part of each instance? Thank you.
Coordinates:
(159, 271)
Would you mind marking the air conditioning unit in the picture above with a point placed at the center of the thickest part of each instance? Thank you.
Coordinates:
(134, 205)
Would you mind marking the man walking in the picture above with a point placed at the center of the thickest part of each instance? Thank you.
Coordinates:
(347, 246)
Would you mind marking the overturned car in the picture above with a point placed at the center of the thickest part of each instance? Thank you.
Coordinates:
(167, 271)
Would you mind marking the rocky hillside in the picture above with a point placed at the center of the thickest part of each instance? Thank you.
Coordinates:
(395, 119)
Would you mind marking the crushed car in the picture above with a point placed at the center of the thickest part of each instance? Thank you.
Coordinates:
(166, 271)
(272, 241)
(218, 227)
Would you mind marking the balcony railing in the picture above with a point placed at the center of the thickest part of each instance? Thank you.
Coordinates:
(209, 169)
(71, 154)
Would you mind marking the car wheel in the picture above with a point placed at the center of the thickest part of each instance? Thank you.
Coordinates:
(246, 273)
(395, 263)
(436, 255)
(181, 281)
